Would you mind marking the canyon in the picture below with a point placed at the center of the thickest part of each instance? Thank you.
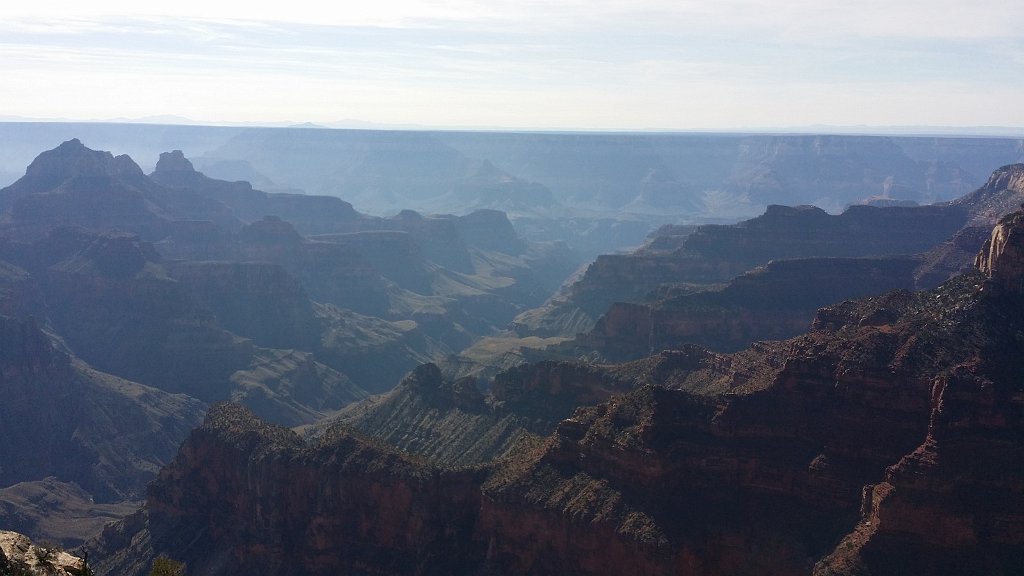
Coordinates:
(886, 440)
(428, 392)
(156, 295)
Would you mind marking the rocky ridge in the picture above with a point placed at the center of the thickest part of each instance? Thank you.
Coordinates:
(773, 302)
(717, 253)
(453, 423)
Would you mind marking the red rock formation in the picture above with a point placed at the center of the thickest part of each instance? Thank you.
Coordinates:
(266, 504)
(955, 505)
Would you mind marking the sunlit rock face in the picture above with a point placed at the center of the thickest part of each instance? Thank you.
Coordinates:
(1002, 256)
(19, 555)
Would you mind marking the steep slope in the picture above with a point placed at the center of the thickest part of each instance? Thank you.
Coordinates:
(954, 505)
(655, 302)
(53, 510)
(610, 190)
(111, 301)
(68, 161)
(116, 305)
(774, 471)
(60, 417)
(452, 423)
(452, 274)
(201, 272)
(257, 300)
(291, 388)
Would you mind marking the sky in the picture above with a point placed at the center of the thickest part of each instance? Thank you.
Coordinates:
(524, 64)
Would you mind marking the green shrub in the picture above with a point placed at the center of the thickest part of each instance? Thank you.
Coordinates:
(164, 566)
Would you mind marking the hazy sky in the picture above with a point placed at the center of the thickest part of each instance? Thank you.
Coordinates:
(587, 64)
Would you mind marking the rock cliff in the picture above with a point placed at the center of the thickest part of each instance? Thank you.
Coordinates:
(717, 253)
(74, 185)
(70, 160)
(340, 505)
(954, 505)
(1002, 256)
(125, 310)
(773, 302)
(200, 272)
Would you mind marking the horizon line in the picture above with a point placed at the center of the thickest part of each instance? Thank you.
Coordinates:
(352, 124)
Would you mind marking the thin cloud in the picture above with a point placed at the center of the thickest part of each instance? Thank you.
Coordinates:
(586, 59)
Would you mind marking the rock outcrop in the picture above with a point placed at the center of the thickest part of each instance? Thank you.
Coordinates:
(200, 270)
(955, 505)
(123, 309)
(70, 160)
(1002, 256)
(256, 300)
(18, 555)
(110, 299)
(73, 185)
(1001, 195)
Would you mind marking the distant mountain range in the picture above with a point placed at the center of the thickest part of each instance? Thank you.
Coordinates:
(861, 130)
(600, 192)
